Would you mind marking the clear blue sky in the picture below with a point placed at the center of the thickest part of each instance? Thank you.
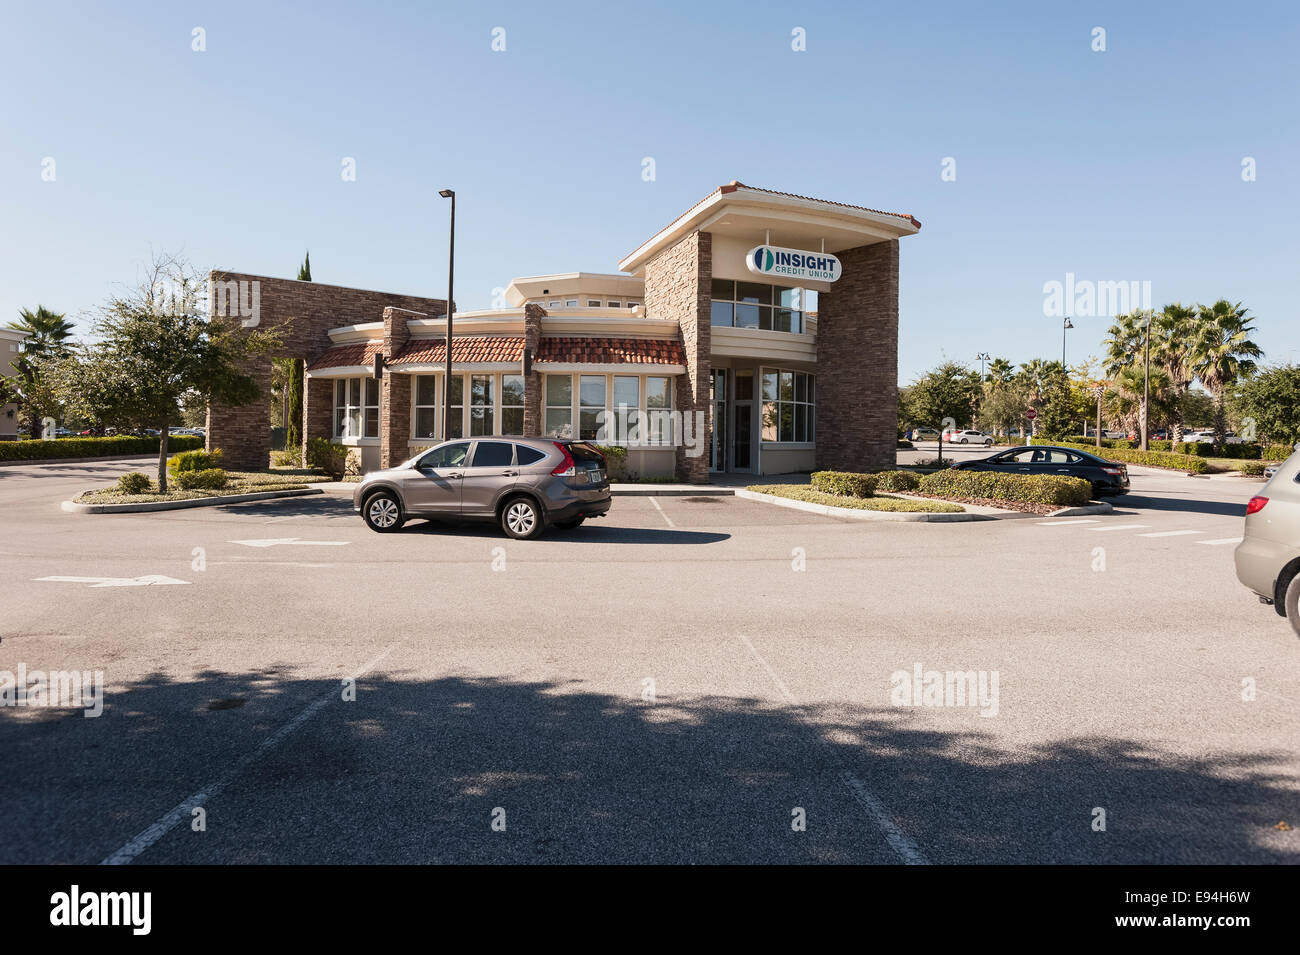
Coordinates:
(1115, 166)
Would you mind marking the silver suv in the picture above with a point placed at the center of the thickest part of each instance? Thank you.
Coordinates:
(1268, 557)
(523, 484)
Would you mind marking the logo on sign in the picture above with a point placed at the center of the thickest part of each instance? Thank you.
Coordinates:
(793, 263)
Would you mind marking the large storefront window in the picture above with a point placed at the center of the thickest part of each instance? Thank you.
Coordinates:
(493, 400)
(789, 405)
(640, 405)
(356, 408)
(773, 308)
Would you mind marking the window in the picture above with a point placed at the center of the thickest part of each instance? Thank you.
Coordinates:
(755, 305)
(559, 405)
(789, 404)
(658, 405)
(426, 406)
(571, 303)
(528, 455)
(494, 454)
(591, 405)
(457, 407)
(355, 416)
(512, 404)
(447, 456)
(555, 304)
(613, 304)
(482, 403)
(593, 303)
(632, 304)
(627, 404)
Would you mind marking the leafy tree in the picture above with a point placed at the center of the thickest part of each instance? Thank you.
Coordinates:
(150, 356)
(1271, 397)
(47, 334)
(949, 391)
(304, 270)
(293, 384)
(1222, 354)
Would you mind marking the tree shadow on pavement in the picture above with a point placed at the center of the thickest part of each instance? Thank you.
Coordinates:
(417, 771)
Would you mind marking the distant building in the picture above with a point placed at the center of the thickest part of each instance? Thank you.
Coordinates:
(11, 344)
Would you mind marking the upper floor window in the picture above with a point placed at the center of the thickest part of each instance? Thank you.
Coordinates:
(774, 308)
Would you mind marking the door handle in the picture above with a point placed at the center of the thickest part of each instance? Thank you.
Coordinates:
(510, 473)
(457, 476)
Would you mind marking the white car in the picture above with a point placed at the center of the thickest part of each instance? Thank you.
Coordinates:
(968, 437)
(1207, 437)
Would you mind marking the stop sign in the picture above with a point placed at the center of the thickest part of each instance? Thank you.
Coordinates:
(1031, 414)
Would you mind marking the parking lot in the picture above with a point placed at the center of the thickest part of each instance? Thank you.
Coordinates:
(675, 682)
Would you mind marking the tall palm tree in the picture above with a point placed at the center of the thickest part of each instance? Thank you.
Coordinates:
(1173, 335)
(1038, 377)
(1222, 353)
(47, 337)
(1124, 341)
(1127, 400)
(1000, 373)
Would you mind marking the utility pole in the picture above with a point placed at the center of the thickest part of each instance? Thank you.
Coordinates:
(451, 273)
(1146, 384)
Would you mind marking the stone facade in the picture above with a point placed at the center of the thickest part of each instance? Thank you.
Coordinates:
(678, 286)
(395, 391)
(533, 315)
(857, 362)
(303, 312)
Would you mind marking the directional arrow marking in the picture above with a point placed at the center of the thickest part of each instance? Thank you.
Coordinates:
(273, 541)
(147, 580)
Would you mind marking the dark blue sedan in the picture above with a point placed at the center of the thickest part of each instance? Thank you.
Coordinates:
(1107, 477)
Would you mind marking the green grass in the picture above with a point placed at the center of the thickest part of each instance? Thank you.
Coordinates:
(239, 482)
(881, 502)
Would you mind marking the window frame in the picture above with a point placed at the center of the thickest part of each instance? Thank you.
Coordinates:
(808, 403)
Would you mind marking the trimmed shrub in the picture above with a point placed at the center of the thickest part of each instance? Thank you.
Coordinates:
(288, 458)
(329, 457)
(1154, 459)
(844, 483)
(1252, 467)
(194, 461)
(1055, 489)
(134, 483)
(208, 479)
(1276, 452)
(92, 447)
(897, 481)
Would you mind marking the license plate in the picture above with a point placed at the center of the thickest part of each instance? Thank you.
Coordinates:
(595, 476)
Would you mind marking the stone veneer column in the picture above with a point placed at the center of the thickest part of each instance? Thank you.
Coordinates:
(678, 285)
(533, 402)
(857, 362)
(317, 411)
(395, 391)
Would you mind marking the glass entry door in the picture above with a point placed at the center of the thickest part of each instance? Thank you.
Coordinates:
(718, 444)
(743, 429)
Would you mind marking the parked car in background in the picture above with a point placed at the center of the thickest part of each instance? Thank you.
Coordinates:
(1106, 477)
(1207, 437)
(967, 436)
(1270, 470)
(925, 434)
(1268, 557)
(523, 484)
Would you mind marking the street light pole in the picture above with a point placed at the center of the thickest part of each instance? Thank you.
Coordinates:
(1146, 383)
(451, 274)
(982, 357)
(1065, 328)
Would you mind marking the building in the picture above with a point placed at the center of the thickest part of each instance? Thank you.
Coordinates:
(703, 354)
(11, 345)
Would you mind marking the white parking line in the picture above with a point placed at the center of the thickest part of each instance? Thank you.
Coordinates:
(898, 840)
(1081, 520)
(1222, 540)
(655, 502)
(1117, 527)
(185, 810)
(1170, 533)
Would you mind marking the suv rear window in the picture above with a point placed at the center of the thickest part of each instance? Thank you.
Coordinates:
(586, 454)
(528, 455)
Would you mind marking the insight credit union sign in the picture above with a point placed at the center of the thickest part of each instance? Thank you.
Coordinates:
(771, 260)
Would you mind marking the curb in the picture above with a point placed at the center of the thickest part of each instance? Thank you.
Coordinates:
(861, 515)
(918, 517)
(671, 490)
(108, 458)
(75, 508)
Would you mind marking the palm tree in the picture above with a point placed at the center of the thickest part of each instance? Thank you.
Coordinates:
(1128, 389)
(1222, 353)
(1124, 341)
(1038, 377)
(1173, 335)
(47, 337)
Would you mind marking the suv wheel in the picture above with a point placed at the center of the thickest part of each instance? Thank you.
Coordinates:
(383, 513)
(1291, 603)
(521, 518)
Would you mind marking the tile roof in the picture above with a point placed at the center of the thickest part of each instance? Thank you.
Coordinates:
(611, 351)
(343, 356)
(465, 348)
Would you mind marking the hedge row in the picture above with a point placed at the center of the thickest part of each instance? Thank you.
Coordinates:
(1154, 459)
(844, 483)
(92, 447)
(1247, 451)
(1052, 489)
